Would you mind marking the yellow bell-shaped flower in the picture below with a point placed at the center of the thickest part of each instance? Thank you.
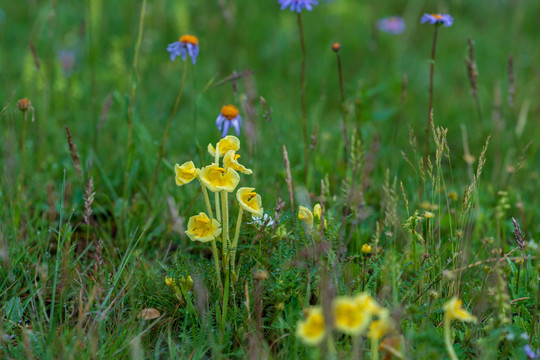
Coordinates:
(305, 215)
(227, 143)
(249, 200)
(311, 331)
(454, 311)
(185, 173)
(230, 160)
(216, 178)
(202, 228)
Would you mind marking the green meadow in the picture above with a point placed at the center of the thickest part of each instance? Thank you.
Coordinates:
(384, 206)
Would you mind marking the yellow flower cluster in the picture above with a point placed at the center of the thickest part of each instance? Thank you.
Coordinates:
(352, 316)
(220, 178)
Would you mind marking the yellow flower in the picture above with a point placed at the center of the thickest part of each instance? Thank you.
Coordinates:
(249, 200)
(169, 281)
(229, 142)
(202, 228)
(305, 215)
(185, 173)
(350, 316)
(311, 330)
(317, 211)
(380, 327)
(230, 160)
(428, 215)
(366, 248)
(216, 178)
(454, 311)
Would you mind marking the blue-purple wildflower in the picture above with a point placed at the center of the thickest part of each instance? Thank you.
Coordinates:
(436, 19)
(229, 116)
(392, 25)
(298, 5)
(187, 45)
(530, 352)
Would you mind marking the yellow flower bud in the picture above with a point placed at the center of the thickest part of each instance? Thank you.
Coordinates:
(366, 248)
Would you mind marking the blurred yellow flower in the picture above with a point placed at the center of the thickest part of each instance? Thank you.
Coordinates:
(227, 143)
(428, 215)
(311, 331)
(366, 248)
(185, 173)
(380, 327)
(317, 210)
(202, 228)
(305, 215)
(169, 281)
(350, 316)
(454, 311)
(230, 160)
(249, 200)
(216, 178)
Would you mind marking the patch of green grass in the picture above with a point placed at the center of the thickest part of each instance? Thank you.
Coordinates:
(78, 264)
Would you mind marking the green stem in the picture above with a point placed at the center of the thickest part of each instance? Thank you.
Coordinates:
(303, 97)
(207, 200)
(225, 229)
(166, 135)
(225, 301)
(447, 340)
(236, 236)
(218, 211)
(216, 263)
(374, 349)
(23, 155)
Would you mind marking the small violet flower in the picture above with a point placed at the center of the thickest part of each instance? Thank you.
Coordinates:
(298, 5)
(530, 352)
(228, 116)
(188, 44)
(436, 19)
(392, 25)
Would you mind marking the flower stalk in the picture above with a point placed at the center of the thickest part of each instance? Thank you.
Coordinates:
(303, 97)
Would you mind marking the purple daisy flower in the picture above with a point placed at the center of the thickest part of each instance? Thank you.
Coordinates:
(229, 116)
(436, 19)
(188, 44)
(298, 5)
(530, 352)
(392, 25)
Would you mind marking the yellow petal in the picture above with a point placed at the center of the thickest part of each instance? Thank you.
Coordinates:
(216, 178)
(227, 143)
(317, 211)
(454, 311)
(202, 228)
(380, 327)
(305, 215)
(311, 331)
(185, 173)
(250, 200)
(349, 316)
(230, 160)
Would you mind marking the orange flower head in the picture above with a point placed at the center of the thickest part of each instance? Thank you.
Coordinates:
(189, 39)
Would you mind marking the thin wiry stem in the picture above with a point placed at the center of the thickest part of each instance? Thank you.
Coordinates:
(430, 112)
(23, 156)
(303, 97)
(166, 136)
(343, 111)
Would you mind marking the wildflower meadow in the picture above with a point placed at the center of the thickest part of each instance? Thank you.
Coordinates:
(271, 179)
